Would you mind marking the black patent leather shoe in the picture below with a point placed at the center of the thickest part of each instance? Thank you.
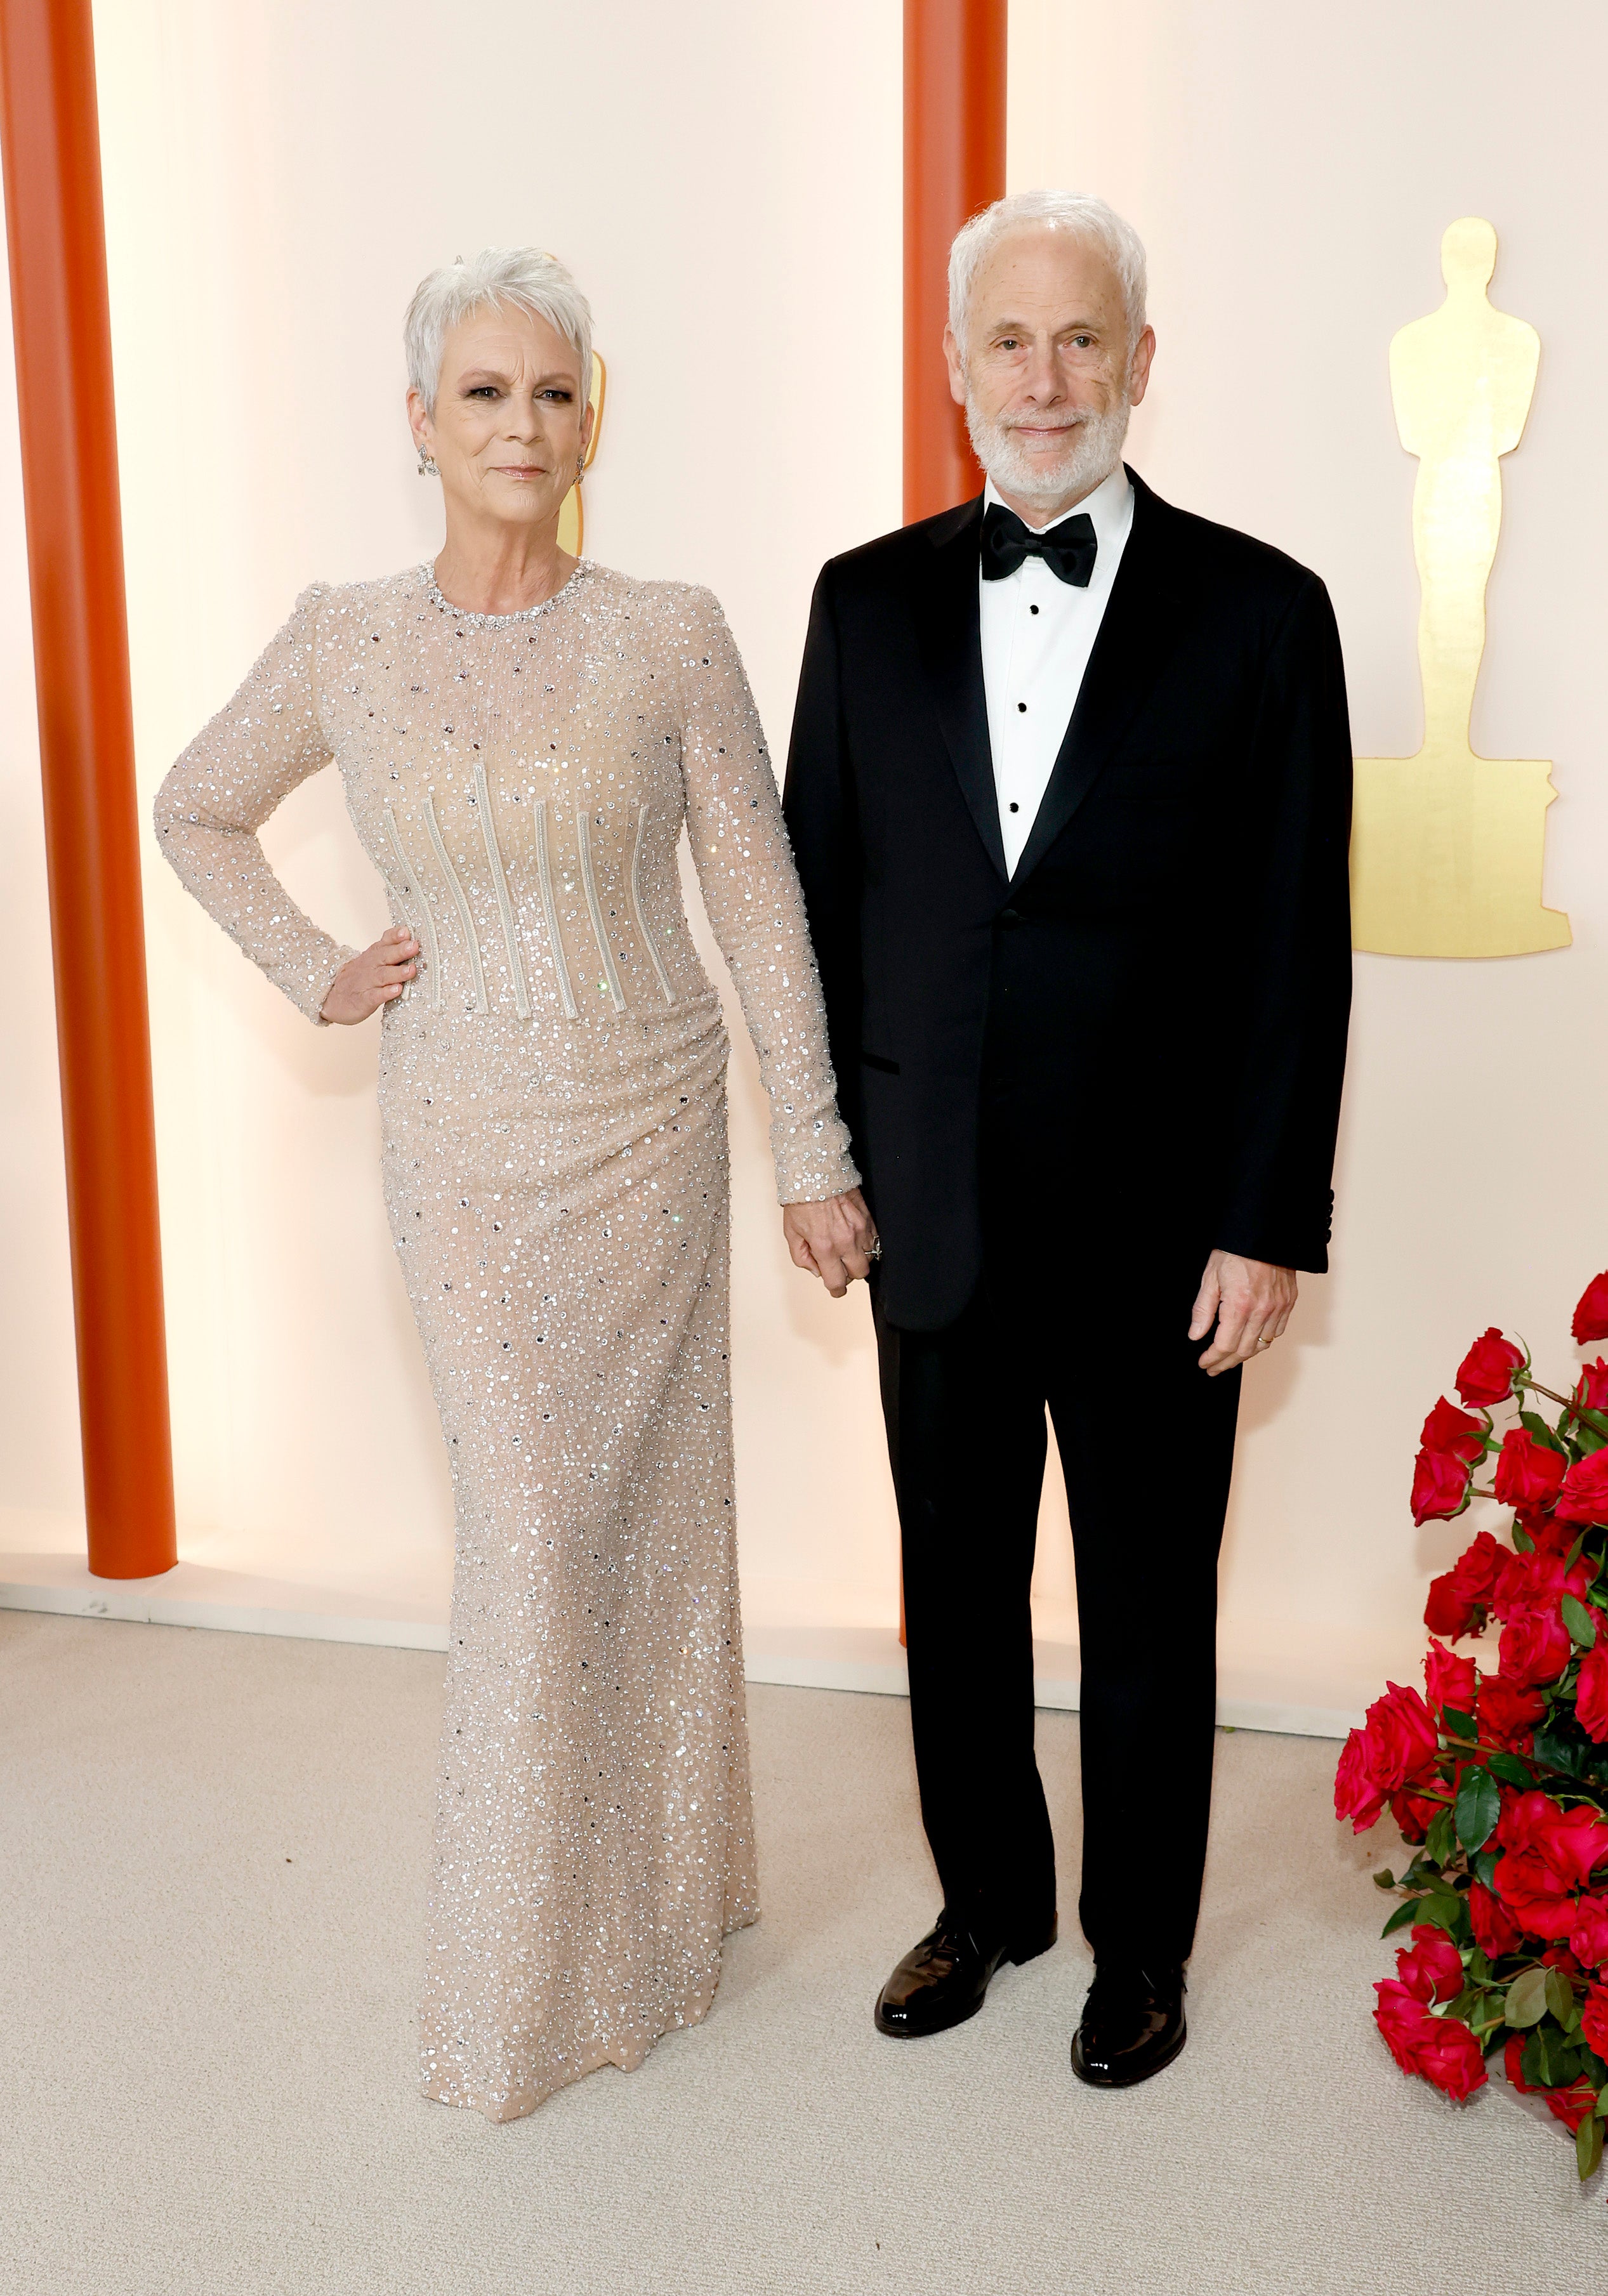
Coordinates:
(944, 1980)
(1132, 2027)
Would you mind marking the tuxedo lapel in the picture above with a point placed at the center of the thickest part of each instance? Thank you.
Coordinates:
(950, 635)
(1138, 631)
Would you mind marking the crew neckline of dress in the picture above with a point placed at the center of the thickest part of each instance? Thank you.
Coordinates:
(497, 621)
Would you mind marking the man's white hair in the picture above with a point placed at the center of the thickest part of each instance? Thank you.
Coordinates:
(1079, 212)
(523, 277)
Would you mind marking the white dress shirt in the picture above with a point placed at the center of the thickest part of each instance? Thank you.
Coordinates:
(1037, 634)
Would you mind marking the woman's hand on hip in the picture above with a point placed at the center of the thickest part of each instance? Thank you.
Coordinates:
(834, 1240)
(375, 978)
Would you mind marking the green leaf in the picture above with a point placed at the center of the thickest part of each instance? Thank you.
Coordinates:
(1559, 1753)
(1593, 1431)
(1384, 1880)
(1588, 2147)
(1485, 1867)
(1441, 1842)
(1530, 2062)
(1534, 1424)
(1526, 2003)
(1444, 1912)
(1510, 1769)
(1578, 1618)
(1458, 1726)
(1407, 1911)
(1523, 1540)
(1560, 1996)
(1573, 1555)
(1560, 2063)
(1479, 1807)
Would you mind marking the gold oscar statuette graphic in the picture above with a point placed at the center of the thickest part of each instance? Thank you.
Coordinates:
(571, 516)
(1447, 847)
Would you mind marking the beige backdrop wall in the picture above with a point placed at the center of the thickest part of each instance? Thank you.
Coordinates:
(726, 180)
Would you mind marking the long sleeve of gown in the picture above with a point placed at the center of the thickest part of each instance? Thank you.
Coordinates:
(239, 768)
(751, 890)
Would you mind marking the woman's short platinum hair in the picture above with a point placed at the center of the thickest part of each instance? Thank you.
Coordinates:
(1079, 212)
(499, 276)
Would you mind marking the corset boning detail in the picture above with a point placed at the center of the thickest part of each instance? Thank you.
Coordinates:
(560, 895)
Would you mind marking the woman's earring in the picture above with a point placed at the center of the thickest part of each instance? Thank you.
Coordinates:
(580, 469)
(427, 469)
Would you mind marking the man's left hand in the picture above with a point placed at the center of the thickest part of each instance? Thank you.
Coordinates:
(1250, 1300)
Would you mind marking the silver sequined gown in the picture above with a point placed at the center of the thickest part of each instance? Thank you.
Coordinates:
(551, 1090)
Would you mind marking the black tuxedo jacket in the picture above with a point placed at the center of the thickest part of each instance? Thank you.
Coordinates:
(1134, 1045)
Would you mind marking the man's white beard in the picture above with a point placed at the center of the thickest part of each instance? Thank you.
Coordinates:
(1094, 448)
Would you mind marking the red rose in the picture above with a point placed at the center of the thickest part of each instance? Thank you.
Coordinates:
(1571, 2104)
(1460, 1595)
(1446, 1612)
(1356, 1794)
(1414, 1813)
(1550, 1852)
(1430, 1967)
(1394, 1748)
(1440, 1487)
(1591, 1691)
(1441, 2050)
(1495, 1932)
(1591, 1314)
(1528, 1474)
(1536, 1581)
(1584, 1498)
(1591, 1389)
(1400, 1739)
(1448, 1678)
(1509, 1715)
(1535, 1647)
(1589, 1938)
(1458, 1432)
(1485, 1373)
(1593, 2020)
(1513, 2064)
(1550, 1536)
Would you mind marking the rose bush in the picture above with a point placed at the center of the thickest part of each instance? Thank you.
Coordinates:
(1499, 1775)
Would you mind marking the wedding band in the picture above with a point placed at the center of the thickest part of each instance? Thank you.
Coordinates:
(1264, 1341)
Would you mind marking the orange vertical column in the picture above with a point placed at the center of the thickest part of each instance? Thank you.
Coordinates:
(955, 163)
(50, 132)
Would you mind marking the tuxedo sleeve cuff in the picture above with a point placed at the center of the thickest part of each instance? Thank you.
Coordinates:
(1275, 1246)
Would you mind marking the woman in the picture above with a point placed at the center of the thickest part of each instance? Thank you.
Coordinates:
(522, 735)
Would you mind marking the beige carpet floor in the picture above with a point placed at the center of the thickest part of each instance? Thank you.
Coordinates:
(211, 1865)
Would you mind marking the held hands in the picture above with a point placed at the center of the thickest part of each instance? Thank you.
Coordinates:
(1249, 1299)
(831, 1239)
(374, 979)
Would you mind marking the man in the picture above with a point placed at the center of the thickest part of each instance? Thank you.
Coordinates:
(1070, 792)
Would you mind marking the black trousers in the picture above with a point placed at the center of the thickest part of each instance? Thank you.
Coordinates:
(1146, 1442)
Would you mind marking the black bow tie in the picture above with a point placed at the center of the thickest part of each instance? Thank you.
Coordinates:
(1068, 550)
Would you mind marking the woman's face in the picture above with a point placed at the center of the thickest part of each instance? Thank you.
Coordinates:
(510, 424)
